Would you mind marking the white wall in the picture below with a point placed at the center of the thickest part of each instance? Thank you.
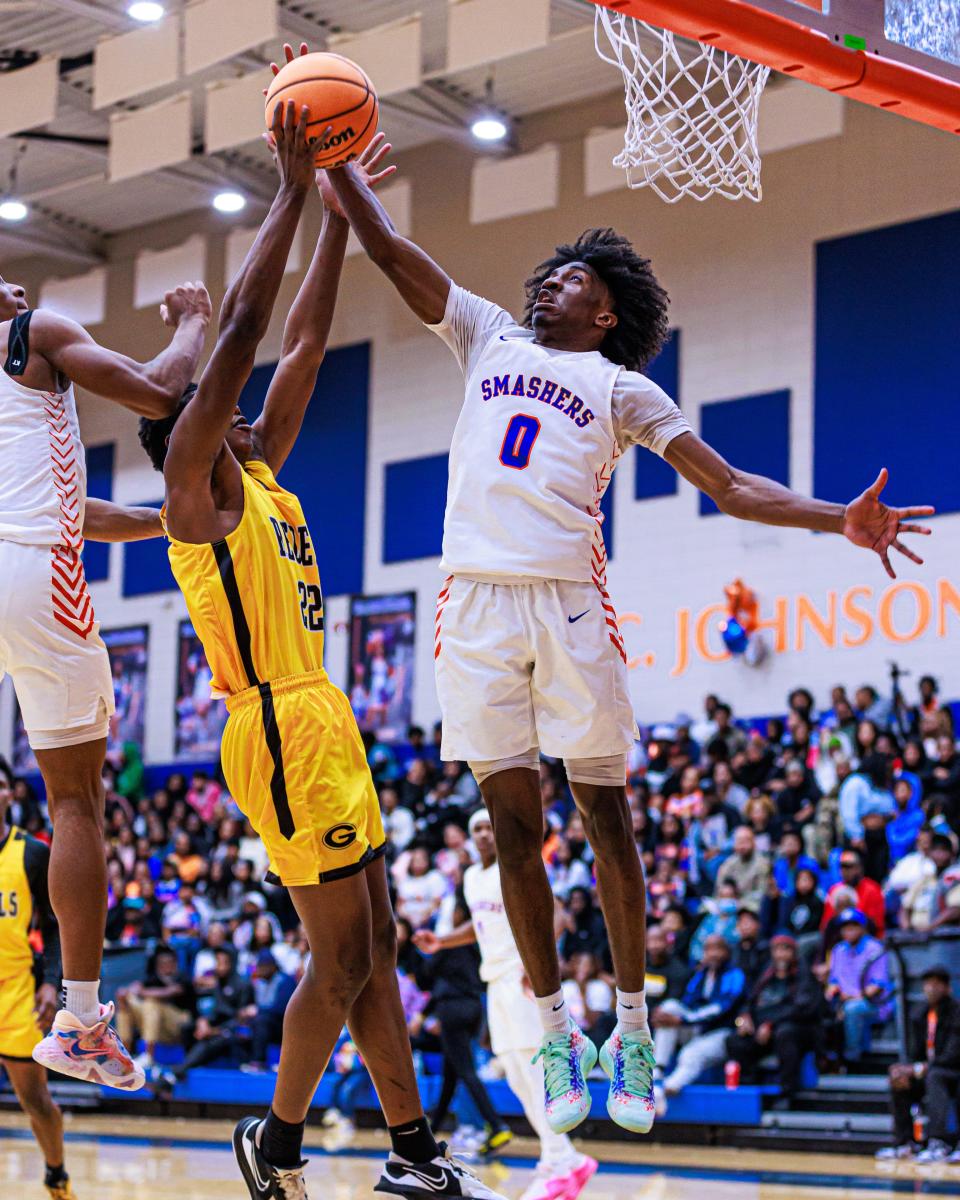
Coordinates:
(741, 281)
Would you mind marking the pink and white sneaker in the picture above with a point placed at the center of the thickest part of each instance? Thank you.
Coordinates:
(559, 1183)
(94, 1053)
(577, 1179)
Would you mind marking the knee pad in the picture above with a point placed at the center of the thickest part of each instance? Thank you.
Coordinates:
(610, 771)
(529, 760)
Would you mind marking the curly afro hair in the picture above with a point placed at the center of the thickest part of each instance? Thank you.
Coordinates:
(154, 434)
(638, 299)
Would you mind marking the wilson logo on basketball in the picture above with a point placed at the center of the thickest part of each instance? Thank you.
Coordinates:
(338, 139)
(340, 837)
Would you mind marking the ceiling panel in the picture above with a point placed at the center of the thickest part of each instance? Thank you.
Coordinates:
(68, 179)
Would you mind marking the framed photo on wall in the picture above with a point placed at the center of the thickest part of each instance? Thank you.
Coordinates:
(382, 635)
(200, 717)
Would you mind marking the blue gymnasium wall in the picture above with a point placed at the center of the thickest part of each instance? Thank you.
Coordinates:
(96, 555)
(327, 470)
(653, 476)
(888, 363)
(752, 432)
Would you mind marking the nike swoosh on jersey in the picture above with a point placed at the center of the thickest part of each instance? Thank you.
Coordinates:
(574, 620)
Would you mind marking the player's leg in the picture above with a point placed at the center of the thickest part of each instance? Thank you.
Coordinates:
(336, 917)
(512, 798)
(29, 1081)
(378, 1025)
(78, 896)
(78, 871)
(584, 714)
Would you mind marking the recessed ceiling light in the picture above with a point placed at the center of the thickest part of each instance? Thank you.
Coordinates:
(489, 128)
(145, 10)
(229, 202)
(13, 210)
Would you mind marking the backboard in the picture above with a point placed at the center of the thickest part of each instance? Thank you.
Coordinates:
(900, 55)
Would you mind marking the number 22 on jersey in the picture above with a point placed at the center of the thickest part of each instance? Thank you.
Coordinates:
(519, 440)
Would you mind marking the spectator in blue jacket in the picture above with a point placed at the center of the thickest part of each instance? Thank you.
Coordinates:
(908, 818)
(790, 860)
(700, 1022)
(271, 993)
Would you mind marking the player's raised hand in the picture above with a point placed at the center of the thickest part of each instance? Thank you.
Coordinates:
(873, 525)
(187, 300)
(289, 55)
(366, 168)
(293, 150)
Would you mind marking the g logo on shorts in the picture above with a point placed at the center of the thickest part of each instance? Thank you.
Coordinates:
(339, 837)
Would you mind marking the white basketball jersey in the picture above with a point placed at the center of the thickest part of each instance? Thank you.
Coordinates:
(534, 450)
(484, 896)
(532, 454)
(43, 476)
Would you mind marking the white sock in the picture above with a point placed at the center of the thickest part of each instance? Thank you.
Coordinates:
(82, 998)
(553, 1013)
(632, 1012)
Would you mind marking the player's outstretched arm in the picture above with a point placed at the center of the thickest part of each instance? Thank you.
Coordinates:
(106, 522)
(152, 389)
(244, 318)
(308, 324)
(422, 284)
(865, 521)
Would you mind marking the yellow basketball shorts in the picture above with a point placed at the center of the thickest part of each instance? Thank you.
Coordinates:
(296, 766)
(19, 1032)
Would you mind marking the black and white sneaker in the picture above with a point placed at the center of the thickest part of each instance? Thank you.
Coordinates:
(265, 1182)
(441, 1177)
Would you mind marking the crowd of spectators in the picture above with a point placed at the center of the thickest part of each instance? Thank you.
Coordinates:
(777, 854)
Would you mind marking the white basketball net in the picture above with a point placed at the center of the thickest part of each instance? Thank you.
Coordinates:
(691, 123)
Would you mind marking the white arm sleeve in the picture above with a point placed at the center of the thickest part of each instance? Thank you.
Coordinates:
(468, 324)
(644, 415)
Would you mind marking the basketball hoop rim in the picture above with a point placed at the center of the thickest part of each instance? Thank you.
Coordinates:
(804, 53)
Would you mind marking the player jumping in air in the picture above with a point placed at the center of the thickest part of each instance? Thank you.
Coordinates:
(292, 754)
(529, 655)
(49, 637)
(25, 1007)
(512, 1015)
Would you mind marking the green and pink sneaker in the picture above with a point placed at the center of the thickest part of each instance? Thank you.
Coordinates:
(628, 1059)
(568, 1058)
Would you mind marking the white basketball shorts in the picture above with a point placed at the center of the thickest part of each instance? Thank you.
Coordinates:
(50, 645)
(512, 1016)
(538, 663)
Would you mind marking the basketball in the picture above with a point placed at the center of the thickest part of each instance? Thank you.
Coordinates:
(338, 93)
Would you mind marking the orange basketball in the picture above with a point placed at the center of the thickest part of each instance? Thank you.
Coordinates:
(338, 93)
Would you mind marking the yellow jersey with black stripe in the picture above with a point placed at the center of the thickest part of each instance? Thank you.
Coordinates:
(254, 596)
(292, 753)
(16, 907)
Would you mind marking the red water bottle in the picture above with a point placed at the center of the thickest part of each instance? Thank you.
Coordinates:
(731, 1075)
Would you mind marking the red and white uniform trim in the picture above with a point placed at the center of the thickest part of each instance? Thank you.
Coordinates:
(442, 601)
(72, 605)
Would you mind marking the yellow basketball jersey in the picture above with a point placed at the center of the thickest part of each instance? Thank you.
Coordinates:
(254, 597)
(16, 907)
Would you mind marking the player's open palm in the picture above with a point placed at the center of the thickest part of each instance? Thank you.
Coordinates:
(367, 168)
(875, 526)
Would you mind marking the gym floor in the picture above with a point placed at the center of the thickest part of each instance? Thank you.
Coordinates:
(116, 1158)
